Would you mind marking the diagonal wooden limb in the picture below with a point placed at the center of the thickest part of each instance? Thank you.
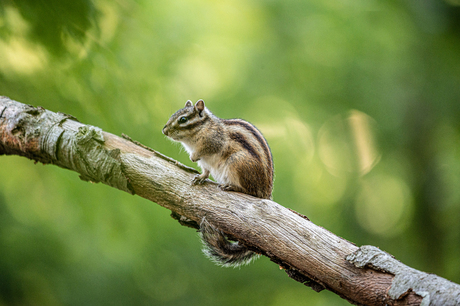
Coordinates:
(310, 254)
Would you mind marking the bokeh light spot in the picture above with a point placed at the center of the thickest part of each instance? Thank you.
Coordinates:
(347, 145)
(384, 205)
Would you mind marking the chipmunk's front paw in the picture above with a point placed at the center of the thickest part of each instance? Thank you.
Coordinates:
(198, 180)
(228, 187)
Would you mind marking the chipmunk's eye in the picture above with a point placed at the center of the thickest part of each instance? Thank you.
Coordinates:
(183, 119)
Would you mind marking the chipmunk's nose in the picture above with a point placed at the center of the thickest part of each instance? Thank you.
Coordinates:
(165, 130)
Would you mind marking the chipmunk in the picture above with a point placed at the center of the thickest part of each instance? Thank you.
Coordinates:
(237, 156)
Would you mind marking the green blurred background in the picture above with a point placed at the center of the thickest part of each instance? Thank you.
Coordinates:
(359, 100)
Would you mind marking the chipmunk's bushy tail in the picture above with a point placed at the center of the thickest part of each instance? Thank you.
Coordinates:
(222, 251)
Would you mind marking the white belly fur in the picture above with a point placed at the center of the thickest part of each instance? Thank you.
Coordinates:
(219, 170)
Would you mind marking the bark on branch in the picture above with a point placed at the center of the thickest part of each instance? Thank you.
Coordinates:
(310, 254)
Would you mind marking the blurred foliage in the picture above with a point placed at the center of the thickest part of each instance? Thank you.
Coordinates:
(359, 101)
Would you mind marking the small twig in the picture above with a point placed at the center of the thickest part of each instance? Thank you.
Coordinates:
(167, 158)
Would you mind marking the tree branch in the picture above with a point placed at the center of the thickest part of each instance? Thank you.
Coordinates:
(310, 254)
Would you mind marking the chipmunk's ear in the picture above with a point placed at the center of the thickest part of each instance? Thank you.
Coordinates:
(188, 103)
(199, 106)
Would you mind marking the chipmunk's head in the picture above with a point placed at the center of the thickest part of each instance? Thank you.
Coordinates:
(187, 121)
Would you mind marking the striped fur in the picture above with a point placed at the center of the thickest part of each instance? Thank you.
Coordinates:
(260, 171)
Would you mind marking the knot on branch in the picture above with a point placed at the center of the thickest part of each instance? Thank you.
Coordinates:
(87, 133)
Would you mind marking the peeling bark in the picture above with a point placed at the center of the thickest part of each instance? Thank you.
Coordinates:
(310, 254)
(433, 289)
